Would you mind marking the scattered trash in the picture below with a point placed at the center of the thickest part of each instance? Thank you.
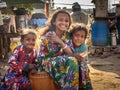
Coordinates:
(105, 55)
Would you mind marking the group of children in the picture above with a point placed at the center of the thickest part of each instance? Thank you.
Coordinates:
(59, 55)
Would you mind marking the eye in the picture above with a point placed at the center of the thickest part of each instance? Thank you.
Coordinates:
(67, 20)
(82, 36)
(33, 40)
(27, 39)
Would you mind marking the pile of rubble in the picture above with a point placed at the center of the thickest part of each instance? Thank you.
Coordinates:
(104, 51)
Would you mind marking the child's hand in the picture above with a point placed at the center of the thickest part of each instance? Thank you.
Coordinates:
(78, 56)
(53, 37)
(31, 66)
(84, 54)
(33, 71)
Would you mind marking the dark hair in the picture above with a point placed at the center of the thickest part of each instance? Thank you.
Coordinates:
(50, 26)
(55, 14)
(78, 27)
(76, 7)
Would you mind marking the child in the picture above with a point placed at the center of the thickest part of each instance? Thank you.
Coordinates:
(78, 33)
(63, 70)
(21, 61)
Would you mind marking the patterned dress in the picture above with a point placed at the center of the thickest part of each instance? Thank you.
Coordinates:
(84, 78)
(15, 79)
(63, 69)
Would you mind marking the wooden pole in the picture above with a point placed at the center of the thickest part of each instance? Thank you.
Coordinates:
(46, 8)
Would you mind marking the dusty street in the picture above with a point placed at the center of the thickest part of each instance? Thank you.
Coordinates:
(105, 73)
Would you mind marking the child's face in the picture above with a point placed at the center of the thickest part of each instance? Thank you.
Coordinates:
(29, 41)
(62, 22)
(78, 38)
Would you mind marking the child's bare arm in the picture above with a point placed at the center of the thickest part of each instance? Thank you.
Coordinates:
(80, 56)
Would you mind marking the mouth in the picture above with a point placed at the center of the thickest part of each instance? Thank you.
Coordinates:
(63, 26)
(78, 42)
(30, 45)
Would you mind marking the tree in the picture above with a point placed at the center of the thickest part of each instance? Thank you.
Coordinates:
(8, 10)
(27, 4)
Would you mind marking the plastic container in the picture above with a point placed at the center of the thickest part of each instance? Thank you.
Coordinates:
(118, 28)
(113, 39)
(42, 81)
(100, 32)
(21, 21)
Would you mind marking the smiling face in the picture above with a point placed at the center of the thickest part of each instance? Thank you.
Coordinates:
(78, 38)
(29, 41)
(62, 22)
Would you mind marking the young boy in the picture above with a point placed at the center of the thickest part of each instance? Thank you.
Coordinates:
(21, 61)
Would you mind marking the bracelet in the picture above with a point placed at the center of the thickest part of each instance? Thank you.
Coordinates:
(65, 47)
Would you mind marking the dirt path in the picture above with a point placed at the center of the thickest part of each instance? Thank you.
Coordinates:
(105, 73)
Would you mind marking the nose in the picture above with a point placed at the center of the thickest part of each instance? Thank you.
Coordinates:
(64, 22)
(79, 38)
(32, 42)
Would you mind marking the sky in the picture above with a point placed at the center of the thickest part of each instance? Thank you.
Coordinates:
(82, 2)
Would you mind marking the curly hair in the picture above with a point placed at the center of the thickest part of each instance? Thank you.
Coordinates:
(78, 27)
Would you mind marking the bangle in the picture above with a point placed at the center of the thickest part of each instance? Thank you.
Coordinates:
(65, 47)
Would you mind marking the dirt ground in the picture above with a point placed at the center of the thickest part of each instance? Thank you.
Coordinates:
(105, 73)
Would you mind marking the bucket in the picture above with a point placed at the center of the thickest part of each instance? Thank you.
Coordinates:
(42, 81)
(20, 21)
(113, 39)
(100, 32)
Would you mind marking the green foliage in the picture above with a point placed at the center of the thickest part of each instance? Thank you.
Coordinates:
(29, 7)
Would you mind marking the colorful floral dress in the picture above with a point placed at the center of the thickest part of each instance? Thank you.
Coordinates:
(64, 70)
(84, 78)
(15, 79)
